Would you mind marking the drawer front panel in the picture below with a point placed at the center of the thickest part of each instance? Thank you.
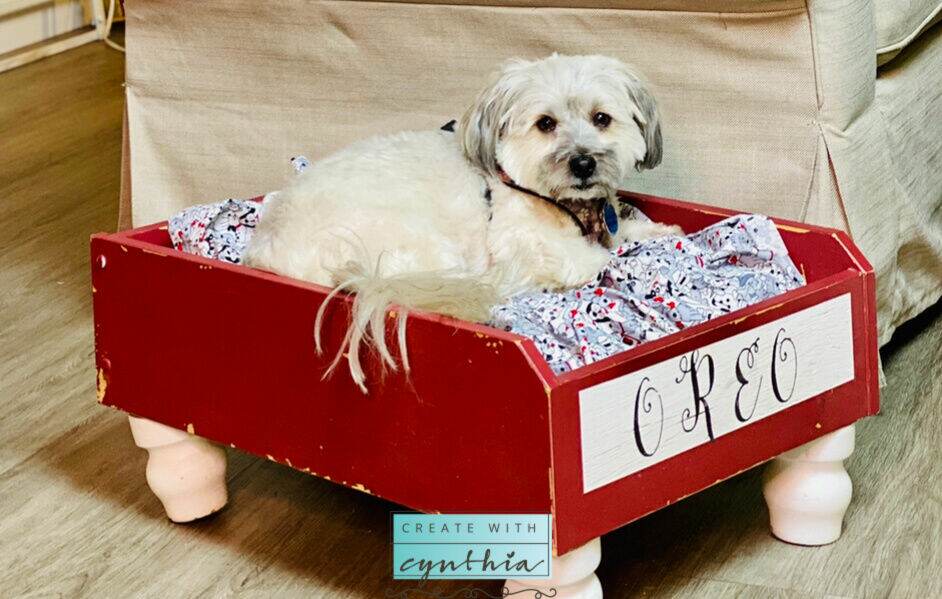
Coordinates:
(707, 408)
(637, 420)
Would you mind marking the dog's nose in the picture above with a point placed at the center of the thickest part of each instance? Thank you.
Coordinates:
(582, 166)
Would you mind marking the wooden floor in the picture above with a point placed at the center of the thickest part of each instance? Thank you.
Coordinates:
(77, 520)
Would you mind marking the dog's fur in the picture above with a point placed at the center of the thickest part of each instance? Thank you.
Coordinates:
(408, 218)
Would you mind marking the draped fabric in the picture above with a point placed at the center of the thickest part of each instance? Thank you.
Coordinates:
(769, 106)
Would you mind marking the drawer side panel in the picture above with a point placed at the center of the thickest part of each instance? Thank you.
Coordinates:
(228, 354)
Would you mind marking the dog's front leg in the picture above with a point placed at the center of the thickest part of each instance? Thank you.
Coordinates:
(537, 247)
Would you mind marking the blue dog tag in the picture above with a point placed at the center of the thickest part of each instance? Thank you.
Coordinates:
(611, 218)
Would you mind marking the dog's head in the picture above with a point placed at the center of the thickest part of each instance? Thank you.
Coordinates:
(564, 126)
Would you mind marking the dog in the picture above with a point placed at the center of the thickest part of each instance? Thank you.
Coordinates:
(520, 196)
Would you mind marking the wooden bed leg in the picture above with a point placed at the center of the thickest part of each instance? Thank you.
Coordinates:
(573, 576)
(808, 490)
(187, 473)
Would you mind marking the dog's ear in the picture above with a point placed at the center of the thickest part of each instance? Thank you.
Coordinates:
(485, 120)
(646, 116)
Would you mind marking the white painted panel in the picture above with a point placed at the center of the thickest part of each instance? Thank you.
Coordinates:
(635, 421)
(41, 21)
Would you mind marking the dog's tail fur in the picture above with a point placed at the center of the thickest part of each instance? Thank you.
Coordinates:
(444, 292)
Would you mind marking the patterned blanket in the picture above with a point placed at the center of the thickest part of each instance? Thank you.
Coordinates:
(647, 290)
(654, 288)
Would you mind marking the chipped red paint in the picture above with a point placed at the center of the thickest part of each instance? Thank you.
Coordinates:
(482, 424)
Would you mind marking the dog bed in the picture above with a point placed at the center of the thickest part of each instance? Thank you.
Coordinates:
(482, 424)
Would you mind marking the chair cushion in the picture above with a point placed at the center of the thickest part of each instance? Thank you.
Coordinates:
(899, 22)
(708, 6)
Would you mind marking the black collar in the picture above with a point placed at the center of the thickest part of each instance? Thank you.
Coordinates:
(506, 180)
(559, 205)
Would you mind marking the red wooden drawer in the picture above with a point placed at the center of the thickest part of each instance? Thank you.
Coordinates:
(482, 424)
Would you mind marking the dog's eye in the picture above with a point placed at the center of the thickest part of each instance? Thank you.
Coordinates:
(546, 124)
(601, 120)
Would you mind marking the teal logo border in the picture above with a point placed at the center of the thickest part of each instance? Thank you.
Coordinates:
(471, 546)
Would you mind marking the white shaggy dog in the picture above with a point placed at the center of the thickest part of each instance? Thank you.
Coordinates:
(521, 196)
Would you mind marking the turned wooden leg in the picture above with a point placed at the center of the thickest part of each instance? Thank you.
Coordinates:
(187, 473)
(808, 490)
(573, 576)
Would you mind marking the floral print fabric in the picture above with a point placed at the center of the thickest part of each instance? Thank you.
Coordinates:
(653, 288)
(220, 231)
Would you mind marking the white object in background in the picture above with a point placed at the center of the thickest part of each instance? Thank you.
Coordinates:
(808, 490)
(187, 473)
(573, 576)
(26, 35)
(105, 28)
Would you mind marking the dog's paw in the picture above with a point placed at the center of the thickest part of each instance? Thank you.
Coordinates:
(581, 267)
(571, 277)
(638, 230)
(669, 230)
